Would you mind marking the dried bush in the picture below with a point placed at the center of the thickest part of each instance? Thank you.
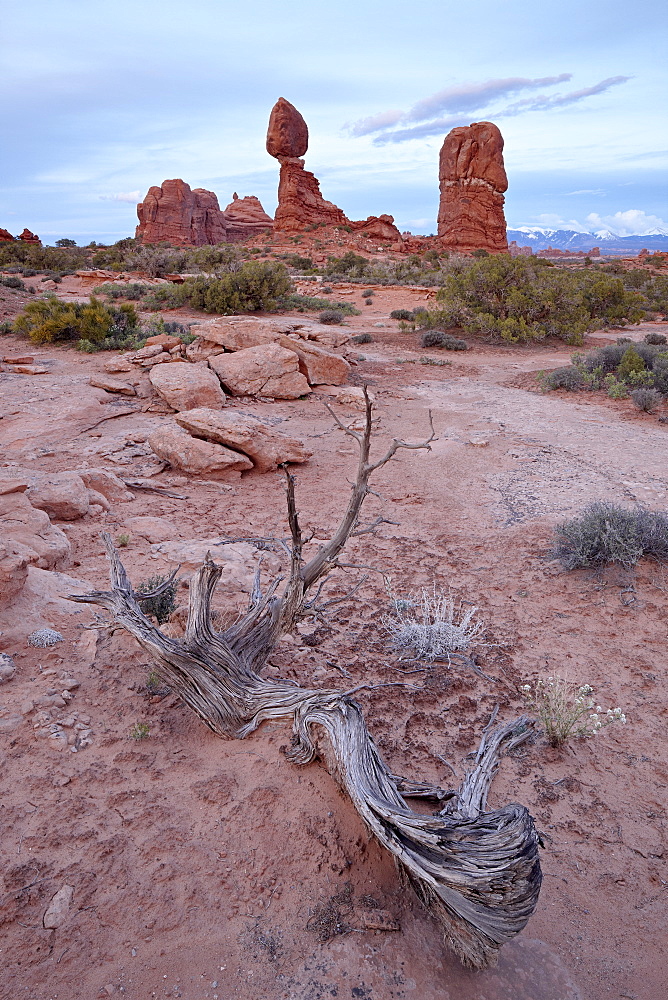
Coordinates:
(427, 625)
(646, 399)
(656, 338)
(564, 378)
(608, 533)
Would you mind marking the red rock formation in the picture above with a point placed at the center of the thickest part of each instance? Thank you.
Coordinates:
(287, 133)
(300, 202)
(182, 216)
(379, 227)
(29, 237)
(246, 217)
(472, 181)
(5, 236)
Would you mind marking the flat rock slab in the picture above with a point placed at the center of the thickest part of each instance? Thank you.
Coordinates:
(155, 529)
(174, 445)
(266, 446)
(110, 384)
(268, 370)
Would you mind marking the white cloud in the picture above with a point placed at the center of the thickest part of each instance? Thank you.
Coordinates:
(632, 222)
(385, 119)
(132, 196)
(472, 96)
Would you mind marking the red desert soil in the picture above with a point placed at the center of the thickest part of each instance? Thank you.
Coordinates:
(206, 869)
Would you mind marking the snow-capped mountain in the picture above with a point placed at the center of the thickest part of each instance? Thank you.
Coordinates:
(540, 238)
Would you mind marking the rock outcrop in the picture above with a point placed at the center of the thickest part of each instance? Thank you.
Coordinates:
(28, 237)
(182, 216)
(6, 236)
(266, 370)
(472, 180)
(300, 202)
(245, 217)
(197, 457)
(184, 386)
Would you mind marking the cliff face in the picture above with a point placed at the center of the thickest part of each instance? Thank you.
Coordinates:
(181, 216)
(246, 217)
(472, 181)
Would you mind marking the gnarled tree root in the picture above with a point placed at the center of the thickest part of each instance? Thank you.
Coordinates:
(478, 872)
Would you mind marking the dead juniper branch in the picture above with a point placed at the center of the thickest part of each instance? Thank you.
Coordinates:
(477, 871)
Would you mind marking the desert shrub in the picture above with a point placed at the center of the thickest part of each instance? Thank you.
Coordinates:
(161, 604)
(656, 338)
(133, 290)
(331, 316)
(368, 293)
(49, 320)
(660, 373)
(646, 399)
(363, 338)
(438, 338)
(351, 265)
(255, 285)
(312, 303)
(326, 290)
(404, 314)
(566, 709)
(518, 299)
(430, 625)
(608, 533)
(298, 262)
(630, 363)
(12, 281)
(564, 378)
(615, 388)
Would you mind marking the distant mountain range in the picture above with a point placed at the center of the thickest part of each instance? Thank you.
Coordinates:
(566, 239)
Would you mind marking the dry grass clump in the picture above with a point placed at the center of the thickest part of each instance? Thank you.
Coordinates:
(431, 625)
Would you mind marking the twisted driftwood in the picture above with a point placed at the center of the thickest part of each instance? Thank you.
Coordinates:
(478, 872)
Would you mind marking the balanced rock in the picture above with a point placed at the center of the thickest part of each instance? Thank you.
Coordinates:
(287, 133)
(183, 216)
(245, 217)
(184, 386)
(181, 451)
(244, 431)
(61, 495)
(44, 544)
(472, 181)
(267, 370)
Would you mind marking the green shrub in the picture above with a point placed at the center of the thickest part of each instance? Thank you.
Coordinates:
(363, 338)
(656, 338)
(404, 314)
(331, 316)
(311, 303)
(660, 373)
(438, 338)
(519, 299)
(607, 533)
(646, 399)
(161, 605)
(564, 378)
(368, 293)
(350, 265)
(631, 362)
(256, 285)
(133, 290)
(49, 320)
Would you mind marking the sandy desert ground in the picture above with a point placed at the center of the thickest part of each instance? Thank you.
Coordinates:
(210, 869)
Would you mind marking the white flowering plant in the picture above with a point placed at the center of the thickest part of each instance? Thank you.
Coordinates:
(568, 710)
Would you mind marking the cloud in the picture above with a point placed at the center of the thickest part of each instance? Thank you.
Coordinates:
(132, 196)
(472, 96)
(461, 102)
(596, 191)
(373, 123)
(544, 102)
(632, 222)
